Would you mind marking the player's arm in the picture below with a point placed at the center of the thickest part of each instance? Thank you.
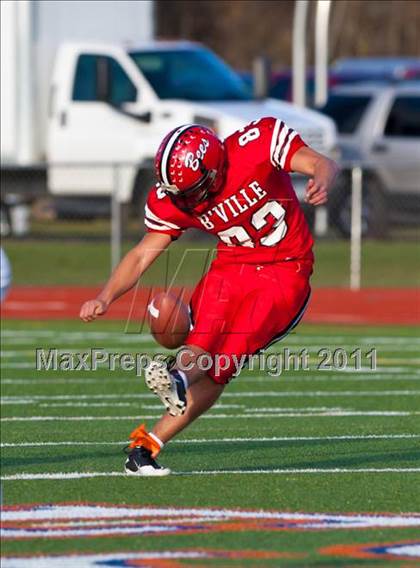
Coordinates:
(322, 172)
(126, 274)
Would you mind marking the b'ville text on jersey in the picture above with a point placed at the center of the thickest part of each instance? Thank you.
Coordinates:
(234, 205)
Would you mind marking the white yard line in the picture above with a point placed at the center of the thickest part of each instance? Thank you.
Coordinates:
(80, 381)
(248, 394)
(322, 414)
(313, 350)
(338, 393)
(294, 338)
(412, 375)
(224, 440)
(286, 471)
(75, 335)
(158, 407)
(17, 365)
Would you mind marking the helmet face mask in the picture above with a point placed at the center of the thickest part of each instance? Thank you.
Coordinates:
(190, 165)
(190, 198)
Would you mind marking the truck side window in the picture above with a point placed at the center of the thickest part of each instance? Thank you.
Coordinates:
(85, 87)
(121, 89)
(89, 81)
(404, 118)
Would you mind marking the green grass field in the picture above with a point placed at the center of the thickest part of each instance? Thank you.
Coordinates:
(309, 441)
(38, 263)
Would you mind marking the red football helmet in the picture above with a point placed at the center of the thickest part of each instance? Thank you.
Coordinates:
(190, 165)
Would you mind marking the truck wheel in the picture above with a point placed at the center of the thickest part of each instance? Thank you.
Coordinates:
(374, 207)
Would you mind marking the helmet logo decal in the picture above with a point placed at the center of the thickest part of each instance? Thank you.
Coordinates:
(193, 160)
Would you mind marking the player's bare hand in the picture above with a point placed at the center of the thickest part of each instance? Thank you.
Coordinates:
(92, 309)
(316, 193)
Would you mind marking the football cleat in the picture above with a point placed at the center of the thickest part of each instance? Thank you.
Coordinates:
(140, 462)
(168, 386)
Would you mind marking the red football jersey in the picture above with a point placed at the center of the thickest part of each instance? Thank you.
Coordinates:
(256, 215)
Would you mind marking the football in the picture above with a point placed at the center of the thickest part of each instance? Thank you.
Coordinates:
(169, 320)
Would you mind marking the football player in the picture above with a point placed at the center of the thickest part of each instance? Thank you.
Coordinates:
(257, 288)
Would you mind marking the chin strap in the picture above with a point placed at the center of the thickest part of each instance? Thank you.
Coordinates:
(139, 437)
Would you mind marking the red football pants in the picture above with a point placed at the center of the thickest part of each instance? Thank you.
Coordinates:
(239, 309)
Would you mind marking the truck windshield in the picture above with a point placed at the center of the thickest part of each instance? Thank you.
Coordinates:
(346, 111)
(194, 74)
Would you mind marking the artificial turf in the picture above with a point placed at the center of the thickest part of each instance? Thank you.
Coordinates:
(293, 443)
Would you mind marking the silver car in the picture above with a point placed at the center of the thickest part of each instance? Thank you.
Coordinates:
(379, 127)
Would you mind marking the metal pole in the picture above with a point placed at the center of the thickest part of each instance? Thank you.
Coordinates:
(356, 228)
(261, 71)
(299, 52)
(115, 219)
(321, 51)
(321, 86)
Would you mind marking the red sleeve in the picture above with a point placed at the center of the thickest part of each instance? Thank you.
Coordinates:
(161, 216)
(266, 139)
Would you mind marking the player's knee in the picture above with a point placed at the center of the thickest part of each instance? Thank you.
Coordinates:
(194, 362)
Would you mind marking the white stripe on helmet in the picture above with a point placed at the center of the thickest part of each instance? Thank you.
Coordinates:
(167, 152)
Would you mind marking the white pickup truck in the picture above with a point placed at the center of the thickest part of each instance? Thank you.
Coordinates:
(111, 106)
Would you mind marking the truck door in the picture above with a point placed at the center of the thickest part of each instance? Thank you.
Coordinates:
(91, 129)
(397, 150)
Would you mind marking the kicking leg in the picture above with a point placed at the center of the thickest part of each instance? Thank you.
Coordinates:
(200, 397)
(145, 446)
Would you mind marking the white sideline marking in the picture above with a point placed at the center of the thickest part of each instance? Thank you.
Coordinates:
(81, 475)
(296, 338)
(94, 512)
(411, 376)
(322, 414)
(313, 352)
(247, 394)
(87, 404)
(223, 440)
(405, 550)
(317, 394)
(110, 559)
(17, 365)
(125, 404)
(74, 335)
(83, 381)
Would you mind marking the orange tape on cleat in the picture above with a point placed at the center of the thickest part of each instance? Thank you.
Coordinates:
(140, 437)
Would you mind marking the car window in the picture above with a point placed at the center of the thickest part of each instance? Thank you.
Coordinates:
(404, 117)
(86, 78)
(346, 111)
(120, 88)
(193, 74)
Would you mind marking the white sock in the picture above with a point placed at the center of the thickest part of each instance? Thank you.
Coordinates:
(156, 439)
(183, 377)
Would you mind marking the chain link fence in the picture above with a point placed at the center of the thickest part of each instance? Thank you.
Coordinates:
(365, 237)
